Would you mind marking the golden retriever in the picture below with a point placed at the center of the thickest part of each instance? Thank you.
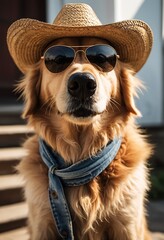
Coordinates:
(111, 206)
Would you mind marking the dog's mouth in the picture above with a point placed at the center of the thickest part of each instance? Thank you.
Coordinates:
(81, 115)
(82, 112)
(79, 109)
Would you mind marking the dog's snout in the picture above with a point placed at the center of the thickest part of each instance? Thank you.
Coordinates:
(82, 85)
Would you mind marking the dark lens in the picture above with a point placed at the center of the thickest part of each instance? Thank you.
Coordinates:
(102, 56)
(58, 58)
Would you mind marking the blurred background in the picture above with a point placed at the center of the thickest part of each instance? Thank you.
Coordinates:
(13, 210)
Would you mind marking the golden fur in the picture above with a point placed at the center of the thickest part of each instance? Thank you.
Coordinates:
(111, 206)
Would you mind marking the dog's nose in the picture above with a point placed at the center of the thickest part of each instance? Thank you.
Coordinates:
(82, 85)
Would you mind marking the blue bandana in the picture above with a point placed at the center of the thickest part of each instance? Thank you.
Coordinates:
(80, 173)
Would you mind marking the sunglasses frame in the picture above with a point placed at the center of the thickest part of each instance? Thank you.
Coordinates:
(86, 47)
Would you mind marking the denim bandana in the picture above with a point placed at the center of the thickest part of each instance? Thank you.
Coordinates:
(60, 174)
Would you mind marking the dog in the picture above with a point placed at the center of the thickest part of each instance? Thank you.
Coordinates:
(85, 172)
(112, 205)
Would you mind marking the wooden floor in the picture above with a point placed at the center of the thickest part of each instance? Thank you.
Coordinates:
(13, 209)
(18, 234)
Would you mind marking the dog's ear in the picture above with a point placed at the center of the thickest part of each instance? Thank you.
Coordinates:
(30, 88)
(129, 86)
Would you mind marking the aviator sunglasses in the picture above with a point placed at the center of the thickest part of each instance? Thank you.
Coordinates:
(58, 58)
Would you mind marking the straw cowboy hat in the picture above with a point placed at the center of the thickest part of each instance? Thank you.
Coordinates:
(28, 38)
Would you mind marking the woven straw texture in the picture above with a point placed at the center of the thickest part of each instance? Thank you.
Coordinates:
(28, 38)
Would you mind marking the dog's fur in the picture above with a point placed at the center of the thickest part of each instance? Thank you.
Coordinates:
(111, 206)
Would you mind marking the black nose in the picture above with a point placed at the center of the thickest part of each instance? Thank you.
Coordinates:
(82, 85)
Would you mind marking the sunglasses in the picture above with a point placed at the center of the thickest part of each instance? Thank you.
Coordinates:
(58, 58)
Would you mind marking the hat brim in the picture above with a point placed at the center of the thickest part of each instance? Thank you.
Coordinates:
(28, 38)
